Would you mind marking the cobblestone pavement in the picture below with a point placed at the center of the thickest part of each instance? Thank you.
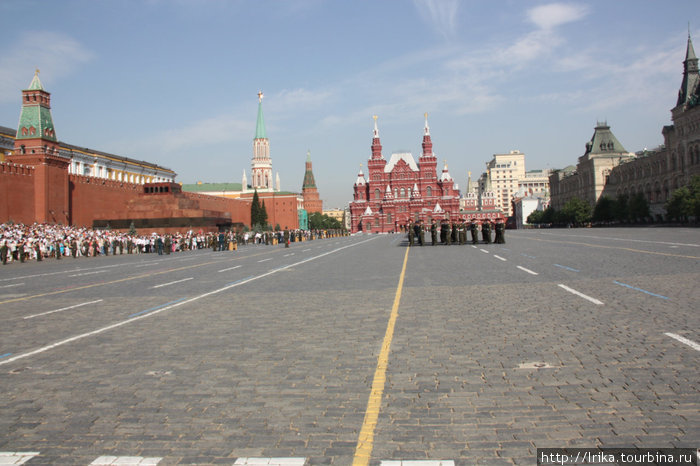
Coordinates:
(267, 355)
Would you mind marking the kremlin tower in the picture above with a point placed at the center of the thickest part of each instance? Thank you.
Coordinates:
(312, 202)
(261, 165)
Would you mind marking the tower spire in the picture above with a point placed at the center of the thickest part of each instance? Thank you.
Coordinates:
(691, 77)
(260, 132)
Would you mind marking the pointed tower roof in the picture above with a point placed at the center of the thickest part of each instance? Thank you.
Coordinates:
(487, 187)
(35, 85)
(470, 184)
(360, 178)
(35, 120)
(309, 181)
(691, 76)
(445, 174)
(260, 126)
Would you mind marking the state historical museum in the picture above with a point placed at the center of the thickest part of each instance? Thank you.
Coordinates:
(400, 191)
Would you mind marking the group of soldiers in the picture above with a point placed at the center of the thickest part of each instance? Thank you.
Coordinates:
(457, 232)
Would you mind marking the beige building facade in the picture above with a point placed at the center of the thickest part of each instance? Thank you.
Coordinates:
(655, 174)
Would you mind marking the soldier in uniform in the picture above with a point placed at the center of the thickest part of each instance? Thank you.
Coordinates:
(486, 231)
(448, 232)
(433, 232)
(443, 231)
(286, 237)
(411, 234)
(74, 248)
(474, 228)
(500, 232)
(463, 232)
(4, 252)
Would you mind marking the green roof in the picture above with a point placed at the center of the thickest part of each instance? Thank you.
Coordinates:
(260, 126)
(207, 187)
(35, 85)
(39, 118)
(604, 142)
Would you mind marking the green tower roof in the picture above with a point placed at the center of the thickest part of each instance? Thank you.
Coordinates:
(260, 126)
(35, 85)
(35, 121)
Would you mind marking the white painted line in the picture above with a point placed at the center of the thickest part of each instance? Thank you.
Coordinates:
(230, 268)
(62, 309)
(474, 247)
(10, 286)
(290, 461)
(265, 260)
(500, 258)
(417, 463)
(146, 265)
(125, 460)
(87, 273)
(578, 293)
(172, 283)
(484, 250)
(527, 270)
(17, 457)
(135, 318)
(684, 340)
(304, 250)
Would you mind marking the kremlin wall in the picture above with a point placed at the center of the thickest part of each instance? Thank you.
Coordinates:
(46, 181)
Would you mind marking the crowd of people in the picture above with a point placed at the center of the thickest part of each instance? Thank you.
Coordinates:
(457, 232)
(22, 243)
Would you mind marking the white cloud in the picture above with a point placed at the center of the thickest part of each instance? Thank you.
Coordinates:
(550, 16)
(441, 14)
(56, 55)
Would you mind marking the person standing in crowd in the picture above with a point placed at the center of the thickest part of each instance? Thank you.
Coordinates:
(486, 231)
(500, 232)
(433, 232)
(474, 228)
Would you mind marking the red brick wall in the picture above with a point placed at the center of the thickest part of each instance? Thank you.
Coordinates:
(92, 198)
(16, 193)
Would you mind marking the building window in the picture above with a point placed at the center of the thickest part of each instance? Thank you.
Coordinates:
(377, 194)
(429, 191)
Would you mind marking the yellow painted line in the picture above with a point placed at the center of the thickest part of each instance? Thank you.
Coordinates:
(365, 441)
(612, 247)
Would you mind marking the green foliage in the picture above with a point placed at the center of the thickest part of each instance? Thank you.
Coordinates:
(258, 214)
(604, 210)
(319, 221)
(576, 211)
(638, 207)
(621, 210)
(685, 202)
(535, 217)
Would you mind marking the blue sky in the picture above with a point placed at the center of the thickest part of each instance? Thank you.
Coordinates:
(175, 82)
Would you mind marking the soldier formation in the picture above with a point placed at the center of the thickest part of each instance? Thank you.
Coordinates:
(457, 232)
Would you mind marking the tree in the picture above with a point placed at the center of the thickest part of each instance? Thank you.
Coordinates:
(255, 211)
(319, 221)
(263, 216)
(639, 207)
(535, 217)
(681, 205)
(603, 211)
(576, 211)
(621, 210)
